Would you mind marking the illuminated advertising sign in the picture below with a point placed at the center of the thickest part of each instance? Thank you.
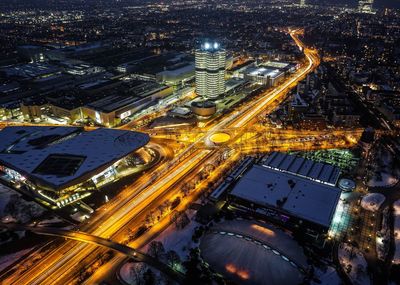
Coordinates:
(125, 114)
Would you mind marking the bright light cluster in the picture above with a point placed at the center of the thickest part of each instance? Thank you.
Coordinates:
(208, 45)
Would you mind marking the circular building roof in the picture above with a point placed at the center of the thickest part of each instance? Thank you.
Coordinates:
(251, 253)
(347, 184)
(220, 138)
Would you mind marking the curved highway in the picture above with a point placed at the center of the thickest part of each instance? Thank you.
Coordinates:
(92, 239)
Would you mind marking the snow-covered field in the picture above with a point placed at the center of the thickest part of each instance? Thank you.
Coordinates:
(5, 194)
(6, 260)
(15, 209)
(386, 175)
(130, 272)
(396, 206)
(386, 180)
(179, 241)
(328, 277)
(354, 264)
(383, 236)
(372, 201)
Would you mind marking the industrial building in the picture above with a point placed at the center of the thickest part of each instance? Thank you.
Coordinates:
(365, 6)
(111, 110)
(210, 63)
(296, 192)
(176, 74)
(61, 165)
(263, 75)
(106, 103)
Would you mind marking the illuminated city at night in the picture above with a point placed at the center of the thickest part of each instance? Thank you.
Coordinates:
(147, 142)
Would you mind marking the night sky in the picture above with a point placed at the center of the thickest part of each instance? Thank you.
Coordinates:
(377, 4)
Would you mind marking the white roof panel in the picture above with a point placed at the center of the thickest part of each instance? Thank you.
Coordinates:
(306, 199)
(99, 148)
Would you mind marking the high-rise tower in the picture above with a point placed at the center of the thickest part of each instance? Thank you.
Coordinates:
(302, 3)
(365, 6)
(210, 70)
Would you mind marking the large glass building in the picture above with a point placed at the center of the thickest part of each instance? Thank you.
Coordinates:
(210, 70)
(61, 165)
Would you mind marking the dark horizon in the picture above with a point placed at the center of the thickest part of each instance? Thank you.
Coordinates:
(377, 3)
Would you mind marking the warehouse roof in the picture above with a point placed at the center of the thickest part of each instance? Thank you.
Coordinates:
(304, 198)
(59, 156)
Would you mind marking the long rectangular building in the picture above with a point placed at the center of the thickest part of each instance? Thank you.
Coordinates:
(319, 172)
(276, 190)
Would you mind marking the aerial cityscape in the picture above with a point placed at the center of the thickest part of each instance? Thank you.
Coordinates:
(199, 142)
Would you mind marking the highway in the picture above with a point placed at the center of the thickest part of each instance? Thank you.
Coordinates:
(59, 266)
(87, 238)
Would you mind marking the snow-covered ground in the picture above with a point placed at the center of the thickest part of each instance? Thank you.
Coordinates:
(386, 180)
(19, 210)
(5, 194)
(383, 236)
(179, 241)
(354, 264)
(130, 272)
(49, 222)
(6, 260)
(327, 277)
(385, 174)
(396, 206)
(372, 201)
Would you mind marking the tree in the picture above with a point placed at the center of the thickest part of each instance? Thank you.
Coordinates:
(175, 203)
(150, 218)
(156, 250)
(172, 258)
(182, 221)
(136, 272)
(149, 278)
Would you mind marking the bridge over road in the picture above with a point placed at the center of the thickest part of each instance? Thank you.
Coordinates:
(92, 239)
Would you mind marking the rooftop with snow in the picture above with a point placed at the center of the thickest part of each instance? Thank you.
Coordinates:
(299, 196)
(59, 156)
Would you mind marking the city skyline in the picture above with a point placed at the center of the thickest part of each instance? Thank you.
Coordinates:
(206, 142)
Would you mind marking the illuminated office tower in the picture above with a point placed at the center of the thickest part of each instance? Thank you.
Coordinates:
(365, 6)
(210, 70)
(302, 3)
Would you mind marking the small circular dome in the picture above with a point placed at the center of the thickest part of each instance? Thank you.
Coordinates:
(347, 185)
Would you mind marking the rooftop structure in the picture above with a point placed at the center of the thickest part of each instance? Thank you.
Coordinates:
(175, 75)
(252, 252)
(306, 168)
(264, 75)
(290, 194)
(34, 71)
(365, 6)
(110, 110)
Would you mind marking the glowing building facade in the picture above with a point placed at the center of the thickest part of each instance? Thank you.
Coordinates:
(210, 70)
(58, 166)
(365, 6)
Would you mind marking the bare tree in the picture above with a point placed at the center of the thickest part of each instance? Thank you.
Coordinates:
(156, 250)
(172, 258)
(136, 273)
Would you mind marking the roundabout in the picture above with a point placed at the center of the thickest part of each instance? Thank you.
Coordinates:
(220, 138)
